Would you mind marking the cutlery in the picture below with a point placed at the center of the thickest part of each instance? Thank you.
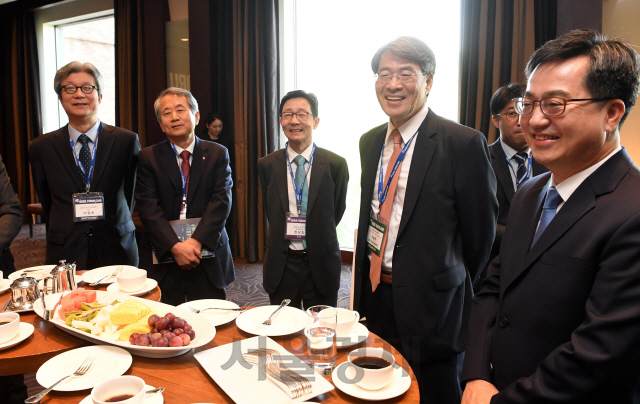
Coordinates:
(271, 365)
(116, 272)
(6, 305)
(86, 364)
(284, 303)
(32, 270)
(215, 308)
(156, 390)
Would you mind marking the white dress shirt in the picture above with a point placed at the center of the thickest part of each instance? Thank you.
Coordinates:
(293, 203)
(510, 152)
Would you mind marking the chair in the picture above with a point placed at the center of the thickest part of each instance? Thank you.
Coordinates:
(34, 209)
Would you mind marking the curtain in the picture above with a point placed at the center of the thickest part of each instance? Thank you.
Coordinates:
(21, 112)
(256, 95)
(130, 99)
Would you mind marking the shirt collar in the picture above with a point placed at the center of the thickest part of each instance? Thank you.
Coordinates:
(189, 148)
(306, 153)
(410, 127)
(91, 133)
(510, 151)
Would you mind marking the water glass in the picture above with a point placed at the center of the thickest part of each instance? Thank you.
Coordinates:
(321, 338)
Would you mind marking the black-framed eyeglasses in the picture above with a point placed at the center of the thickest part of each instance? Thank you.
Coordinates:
(510, 116)
(401, 77)
(550, 106)
(71, 89)
(302, 116)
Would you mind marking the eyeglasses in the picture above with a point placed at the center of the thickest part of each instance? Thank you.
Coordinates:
(402, 77)
(302, 116)
(71, 89)
(510, 116)
(550, 106)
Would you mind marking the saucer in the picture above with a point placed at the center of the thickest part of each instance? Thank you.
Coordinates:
(155, 398)
(149, 285)
(287, 321)
(98, 273)
(4, 285)
(215, 317)
(38, 272)
(25, 332)
(399, 385)
(359, 334)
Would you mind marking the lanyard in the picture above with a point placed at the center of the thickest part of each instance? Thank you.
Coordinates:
(87, 186)
(293, 179)
(182, 177)
(515, 174)
(382, 194)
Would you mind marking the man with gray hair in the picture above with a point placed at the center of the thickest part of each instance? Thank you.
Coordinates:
(85, 174)
(184, 182)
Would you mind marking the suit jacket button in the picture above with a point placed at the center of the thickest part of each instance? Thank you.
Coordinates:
(503, 322)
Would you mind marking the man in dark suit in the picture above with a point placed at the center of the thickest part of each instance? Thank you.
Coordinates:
(556, 319)
(418, 254)
(10, 220)
(184, 177)
(79, 164)
(303, 269)
(511, 158)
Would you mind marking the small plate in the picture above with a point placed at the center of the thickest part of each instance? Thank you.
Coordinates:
(155, 398)
(4, 285)
(287, 321)
(25, 332)
(360, 333)
(10, 309)
(38, 272)
(399, 385)
(110, 362)
(215, 317)
(149, 285)
(97, 273)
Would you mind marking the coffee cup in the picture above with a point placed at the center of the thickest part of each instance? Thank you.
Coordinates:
(130, 390)
(370, 368)
(132, 280)
(9, 326)
(346, 323)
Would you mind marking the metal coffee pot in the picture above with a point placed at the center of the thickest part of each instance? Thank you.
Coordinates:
(24, 292)
(62, 279)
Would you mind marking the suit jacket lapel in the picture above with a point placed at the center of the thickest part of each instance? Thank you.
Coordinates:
(168, 160)
(281, 177)
(318, 165)
(502, 173)
(197, 169)
(63, 148)
(370, 163)
(106, 141)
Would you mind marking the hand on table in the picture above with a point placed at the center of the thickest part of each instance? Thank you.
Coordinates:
(478, 392)
(187, 253)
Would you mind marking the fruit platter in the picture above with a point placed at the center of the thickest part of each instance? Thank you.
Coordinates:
(143, 327)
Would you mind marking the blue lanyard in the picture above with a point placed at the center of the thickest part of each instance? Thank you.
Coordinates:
(293, 179)
(515, 174)
(182, 177)
(382, 194)
(87, 186)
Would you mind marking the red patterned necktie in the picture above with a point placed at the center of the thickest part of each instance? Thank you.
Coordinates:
(185, 168)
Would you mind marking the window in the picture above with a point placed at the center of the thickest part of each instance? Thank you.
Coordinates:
(327, 50)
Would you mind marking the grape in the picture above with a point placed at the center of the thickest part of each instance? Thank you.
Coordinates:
(178, 322)
(178, 331)
(185, 339)
(169, 335)
(163, 332)
(154, 337)
(175, 342)
(133, 337)
(170, 316)
(161, 342)
(191, 334)
(162, 323)
(152, 320)
(187, 327)
(153, 330)
(143, 340)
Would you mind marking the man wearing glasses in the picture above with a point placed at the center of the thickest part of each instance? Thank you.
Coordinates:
(85, 174)
(427, 220)
(304, 190)
(556, 319)
(511, 158)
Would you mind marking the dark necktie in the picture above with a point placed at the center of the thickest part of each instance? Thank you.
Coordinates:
(551, 203)
(185, 168)
(85, 157)
(521, 172)
(301, 184)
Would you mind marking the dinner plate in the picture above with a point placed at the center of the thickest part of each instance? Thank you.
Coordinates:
(215, 317)
(37, 272)
(203, 328)
(98, 273)
(4, 285)
(287, 321)
(400, 384)
(110, 362)
(155, 398)
(149, 285)
(360, 333)
(24, 332)
(243, 383)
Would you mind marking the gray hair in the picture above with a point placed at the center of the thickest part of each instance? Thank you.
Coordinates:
(409, 48)
(193, 104)
(77, 67)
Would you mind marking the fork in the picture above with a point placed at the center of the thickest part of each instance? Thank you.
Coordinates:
(79, 372)
(116, 272)
(215, 308)
(278, 372)
(284, 303)
(303, 383)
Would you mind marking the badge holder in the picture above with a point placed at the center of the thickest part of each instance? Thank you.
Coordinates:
(296, 228)
(375, 236)
(88, 206)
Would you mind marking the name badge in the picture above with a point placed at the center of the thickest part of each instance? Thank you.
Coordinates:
(375, 236)
(88, 206)
(296, 228)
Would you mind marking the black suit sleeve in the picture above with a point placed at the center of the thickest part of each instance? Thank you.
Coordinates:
(40, 180)
(130, 179)
(10, 210)
(341, 184)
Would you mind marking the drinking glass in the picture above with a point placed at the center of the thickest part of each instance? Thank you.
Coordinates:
(321, 338)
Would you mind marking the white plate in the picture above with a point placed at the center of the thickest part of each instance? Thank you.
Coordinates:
(155, 398)
(149, 285)
(287, 321)
(4, 285)
(216, 317)
(38, 272)
(97, 273)
(110, 362)
(400, 384)
(24, 332)
(244, 385)
(203, 328)
(360, 333)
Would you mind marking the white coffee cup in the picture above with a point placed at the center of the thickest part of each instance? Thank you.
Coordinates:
(132, 280)
(347, 321)
(368, 378)
(1, 276)
(121, 385)
(11, 328)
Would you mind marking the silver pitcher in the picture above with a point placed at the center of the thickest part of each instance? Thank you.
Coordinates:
(62, 279)
(24, 292)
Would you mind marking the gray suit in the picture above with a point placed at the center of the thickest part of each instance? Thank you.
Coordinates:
(10, 220)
